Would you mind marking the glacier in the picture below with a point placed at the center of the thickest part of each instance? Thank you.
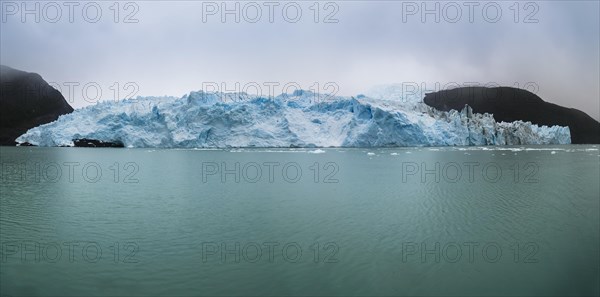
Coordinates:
(300, 119)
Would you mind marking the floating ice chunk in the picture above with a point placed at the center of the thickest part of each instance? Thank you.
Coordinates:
(317, 151)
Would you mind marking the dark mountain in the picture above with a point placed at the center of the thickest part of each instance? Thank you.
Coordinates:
(511, 104)
(26, 101)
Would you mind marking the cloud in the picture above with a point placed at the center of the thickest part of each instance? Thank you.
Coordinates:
(170, 50)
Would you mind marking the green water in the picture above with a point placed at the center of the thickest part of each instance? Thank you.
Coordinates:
(480, 221)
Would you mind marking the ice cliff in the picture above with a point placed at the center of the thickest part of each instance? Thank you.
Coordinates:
(302, 119)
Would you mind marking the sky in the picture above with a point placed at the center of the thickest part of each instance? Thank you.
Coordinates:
(96, 51)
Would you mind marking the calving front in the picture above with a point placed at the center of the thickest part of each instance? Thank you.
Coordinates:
(301, 119)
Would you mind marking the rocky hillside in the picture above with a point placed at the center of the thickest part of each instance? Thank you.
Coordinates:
(26, 101)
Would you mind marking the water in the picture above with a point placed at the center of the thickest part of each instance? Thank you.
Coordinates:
(366, 222)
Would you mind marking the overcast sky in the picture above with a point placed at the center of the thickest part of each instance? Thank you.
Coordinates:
(171, 48)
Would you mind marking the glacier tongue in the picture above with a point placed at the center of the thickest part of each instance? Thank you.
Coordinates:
(301, 119)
